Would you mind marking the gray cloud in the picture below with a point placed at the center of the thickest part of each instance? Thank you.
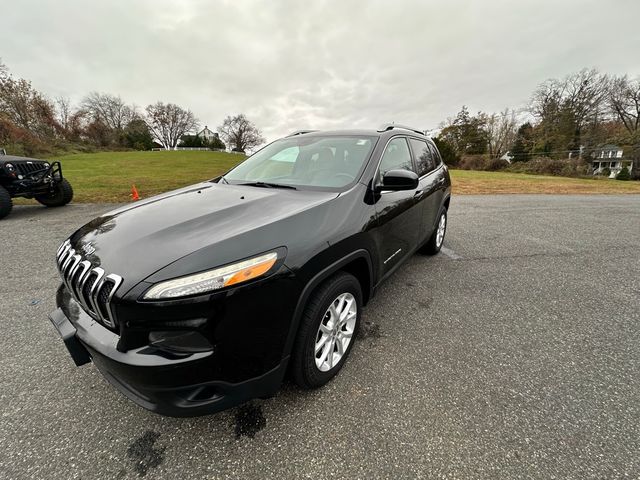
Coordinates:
(322, 64)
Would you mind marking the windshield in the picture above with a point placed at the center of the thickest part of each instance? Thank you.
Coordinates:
(317, 161)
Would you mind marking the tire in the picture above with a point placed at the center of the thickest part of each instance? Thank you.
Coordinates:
(434, 244)
(304, 363)
(6, 203)
(63, 194)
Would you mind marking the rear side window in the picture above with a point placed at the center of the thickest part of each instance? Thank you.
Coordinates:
(436, 154)
(423, 155)
(396, 156)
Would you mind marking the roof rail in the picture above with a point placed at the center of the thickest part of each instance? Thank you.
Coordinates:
(300, 132)
(391, 126)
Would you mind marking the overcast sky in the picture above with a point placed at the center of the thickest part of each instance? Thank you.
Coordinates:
(310, 64)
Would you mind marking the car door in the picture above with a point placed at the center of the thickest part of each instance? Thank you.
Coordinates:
(431, 178)
(398, 218)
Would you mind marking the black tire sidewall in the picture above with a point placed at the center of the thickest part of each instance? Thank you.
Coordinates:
(62, 195)
(305, 371)
(6, 203)
(432, 247)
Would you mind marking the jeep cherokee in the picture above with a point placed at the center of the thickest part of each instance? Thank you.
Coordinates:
(202, 298)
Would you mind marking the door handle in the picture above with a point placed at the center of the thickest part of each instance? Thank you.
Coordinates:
(440, 181)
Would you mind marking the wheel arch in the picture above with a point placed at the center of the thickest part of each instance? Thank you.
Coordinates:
(446, 202)
(358, 263)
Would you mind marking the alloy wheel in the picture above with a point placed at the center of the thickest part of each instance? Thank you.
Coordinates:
(442, 225)
(335, 331)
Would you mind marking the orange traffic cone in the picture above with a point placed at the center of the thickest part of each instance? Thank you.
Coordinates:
(134, 193)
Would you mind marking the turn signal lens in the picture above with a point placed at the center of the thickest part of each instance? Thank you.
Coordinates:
(213, 279)
(250, 272)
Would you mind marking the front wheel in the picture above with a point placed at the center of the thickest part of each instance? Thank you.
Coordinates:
(434, 244)
(61, 195)
(328, 329)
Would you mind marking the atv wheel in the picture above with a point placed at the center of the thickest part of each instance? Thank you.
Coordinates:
(6, 204)
(62, 194)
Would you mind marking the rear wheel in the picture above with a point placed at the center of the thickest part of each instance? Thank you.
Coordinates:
(328, 329)
(434, 244)
(61, 195)
(6, 204)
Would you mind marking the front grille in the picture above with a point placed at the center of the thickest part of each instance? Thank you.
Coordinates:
(27, 168)
(88, 285)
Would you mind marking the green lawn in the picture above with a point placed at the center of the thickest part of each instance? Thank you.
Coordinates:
(108, 176)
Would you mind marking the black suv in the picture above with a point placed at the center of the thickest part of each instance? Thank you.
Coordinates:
(31, 178)
(199, 299)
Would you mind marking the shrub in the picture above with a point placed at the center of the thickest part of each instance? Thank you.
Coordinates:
(623, 174)
(568, 167)
(495, 164)
(471, 162)
(606, 171)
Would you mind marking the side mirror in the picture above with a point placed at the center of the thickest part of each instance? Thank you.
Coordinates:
(396, 180)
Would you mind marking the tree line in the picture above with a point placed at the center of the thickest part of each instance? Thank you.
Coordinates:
(33, 124)
(570, 117)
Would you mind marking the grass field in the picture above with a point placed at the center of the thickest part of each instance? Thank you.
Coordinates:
(107, 177)
(473, 182)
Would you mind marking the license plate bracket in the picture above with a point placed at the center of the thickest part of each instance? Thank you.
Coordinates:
(67, 331)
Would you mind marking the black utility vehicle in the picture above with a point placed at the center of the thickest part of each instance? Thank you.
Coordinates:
(199, 299)
(31, 178)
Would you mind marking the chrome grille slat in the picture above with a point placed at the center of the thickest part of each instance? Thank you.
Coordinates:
(92, 288)
(84, 268)
(71, 268)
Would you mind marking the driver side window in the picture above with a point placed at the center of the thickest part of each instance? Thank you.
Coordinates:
(396, 157)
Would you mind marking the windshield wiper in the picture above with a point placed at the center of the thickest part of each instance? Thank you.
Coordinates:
(267, 185)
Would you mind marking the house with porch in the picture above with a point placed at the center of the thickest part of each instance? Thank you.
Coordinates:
(611, 157)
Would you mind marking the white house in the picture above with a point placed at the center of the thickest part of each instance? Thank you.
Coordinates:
(611, 157)
(207, 134)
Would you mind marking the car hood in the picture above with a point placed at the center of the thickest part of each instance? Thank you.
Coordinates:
(225, 222)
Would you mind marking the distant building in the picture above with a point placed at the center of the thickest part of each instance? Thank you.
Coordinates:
(207, 134)
(611, 157)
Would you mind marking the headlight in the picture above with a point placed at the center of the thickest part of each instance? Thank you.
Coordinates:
(213, 279)
(9, 166)
(46, 164)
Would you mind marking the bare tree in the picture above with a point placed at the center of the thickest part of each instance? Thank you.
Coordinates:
(64, 111)
(624, 102)
(501, 131)
(570, 107)
(26, 107)
(110, 110)
(240, 134)
(169, 122)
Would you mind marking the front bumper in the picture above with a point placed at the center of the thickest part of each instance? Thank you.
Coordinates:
(239, 366)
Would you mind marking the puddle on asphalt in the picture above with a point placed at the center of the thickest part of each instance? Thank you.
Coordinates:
(249, 420)
(144, 454)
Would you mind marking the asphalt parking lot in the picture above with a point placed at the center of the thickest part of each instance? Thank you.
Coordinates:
(515, 353)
